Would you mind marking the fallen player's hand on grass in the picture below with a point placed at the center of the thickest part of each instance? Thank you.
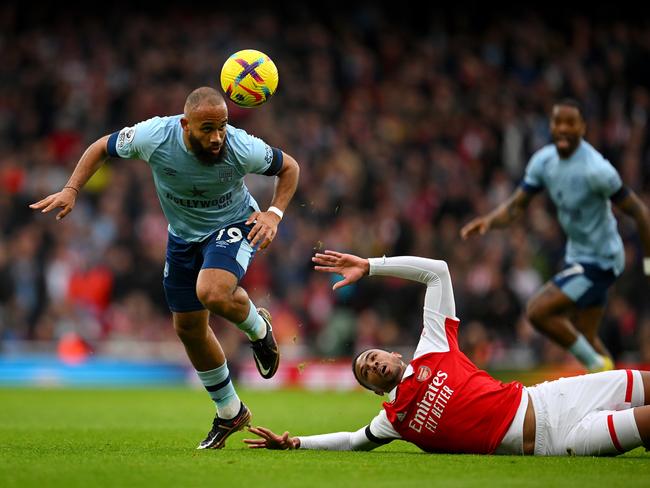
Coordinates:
(271, 440)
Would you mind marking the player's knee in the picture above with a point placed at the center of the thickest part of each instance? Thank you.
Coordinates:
(215, 299)
(535, 313)
(190, 330)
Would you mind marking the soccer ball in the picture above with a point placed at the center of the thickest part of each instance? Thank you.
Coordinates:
(249, 78)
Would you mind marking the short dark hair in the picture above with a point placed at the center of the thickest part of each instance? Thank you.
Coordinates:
(204, 94)
(354, 370)
(571, 102)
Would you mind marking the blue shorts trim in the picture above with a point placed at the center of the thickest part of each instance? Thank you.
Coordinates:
(586, 284)
(226, 248)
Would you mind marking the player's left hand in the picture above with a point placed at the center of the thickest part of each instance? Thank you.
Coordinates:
(351, 267)
(264, 230)
(271, 440)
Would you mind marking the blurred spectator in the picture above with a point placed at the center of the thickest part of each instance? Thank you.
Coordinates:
(407, 122)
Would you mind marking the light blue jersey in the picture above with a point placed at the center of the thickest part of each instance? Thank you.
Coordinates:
(197, 199)
(581, 187)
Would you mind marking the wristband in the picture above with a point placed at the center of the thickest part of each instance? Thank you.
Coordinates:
(72, 187)
(276, 211)
(646, 266)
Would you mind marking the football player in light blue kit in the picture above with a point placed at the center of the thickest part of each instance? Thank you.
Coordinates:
(581, 183)
(199, 163)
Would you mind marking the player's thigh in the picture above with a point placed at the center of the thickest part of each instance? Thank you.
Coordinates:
(228, 249)
(226, 257)
(587, 320)
(603, 433)
(182, 265)
(645, 375)
(585, 284)
(562, 404)
(608, 390)
(549, 300)
(215, 285)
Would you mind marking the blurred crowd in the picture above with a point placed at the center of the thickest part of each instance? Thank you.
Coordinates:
(406, 125)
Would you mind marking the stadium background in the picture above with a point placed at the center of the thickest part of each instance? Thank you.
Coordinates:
(406, 123)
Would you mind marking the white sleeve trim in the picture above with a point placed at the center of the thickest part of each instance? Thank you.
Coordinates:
(381, 427)
(374, 264)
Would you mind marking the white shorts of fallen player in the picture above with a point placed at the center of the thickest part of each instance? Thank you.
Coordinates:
(588, 415)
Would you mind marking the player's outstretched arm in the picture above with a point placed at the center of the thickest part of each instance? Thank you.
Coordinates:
(432, 272)
(501, 216)
(65, 199)
(353, 268)
(633, 206)
(336, 441)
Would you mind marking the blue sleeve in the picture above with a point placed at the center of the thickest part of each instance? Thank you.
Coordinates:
(534, 178)
(254, 155)
(138, 141)
(604, 179)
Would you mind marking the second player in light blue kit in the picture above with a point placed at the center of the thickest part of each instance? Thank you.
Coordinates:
(582, 184)
(199, 163)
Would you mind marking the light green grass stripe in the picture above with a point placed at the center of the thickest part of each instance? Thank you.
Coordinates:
(130, 438)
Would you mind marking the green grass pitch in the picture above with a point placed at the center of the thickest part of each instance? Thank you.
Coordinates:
(147, 437)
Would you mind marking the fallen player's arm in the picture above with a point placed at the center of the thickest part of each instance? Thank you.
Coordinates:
(337, 441)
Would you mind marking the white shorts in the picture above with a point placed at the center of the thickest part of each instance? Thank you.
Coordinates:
(587, 415)
(513, 441)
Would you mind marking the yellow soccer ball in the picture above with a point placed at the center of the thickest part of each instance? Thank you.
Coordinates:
(249, 78)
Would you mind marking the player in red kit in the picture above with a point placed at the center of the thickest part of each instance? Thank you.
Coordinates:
(442, 402)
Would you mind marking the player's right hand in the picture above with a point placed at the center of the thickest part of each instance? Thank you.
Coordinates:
(64, 199)
(271, 440)
(480, 225)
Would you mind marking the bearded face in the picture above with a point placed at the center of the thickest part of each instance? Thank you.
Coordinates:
(204, 129)
(208, 154)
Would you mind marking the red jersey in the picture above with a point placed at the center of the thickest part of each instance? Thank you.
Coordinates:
(449, 405)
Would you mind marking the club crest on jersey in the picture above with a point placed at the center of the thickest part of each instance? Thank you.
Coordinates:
(424, 373)
(225, 175)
